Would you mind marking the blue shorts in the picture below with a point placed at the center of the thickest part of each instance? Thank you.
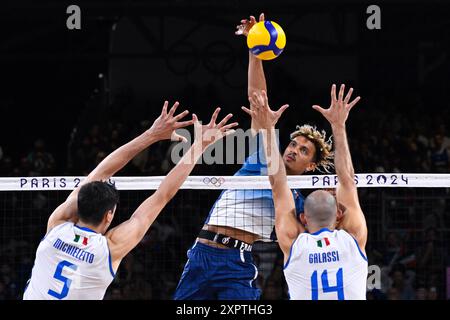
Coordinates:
(218, 274)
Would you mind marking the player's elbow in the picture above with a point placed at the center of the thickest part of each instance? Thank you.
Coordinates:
(286, 236)
(286, 231)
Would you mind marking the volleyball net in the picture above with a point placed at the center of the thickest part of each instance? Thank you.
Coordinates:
(408, 217)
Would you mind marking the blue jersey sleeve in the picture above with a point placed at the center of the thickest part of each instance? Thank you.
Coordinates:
(299, 202)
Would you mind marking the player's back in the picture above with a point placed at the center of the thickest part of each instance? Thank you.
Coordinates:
(72, 263)
(326, 265)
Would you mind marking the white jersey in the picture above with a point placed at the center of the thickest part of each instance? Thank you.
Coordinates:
(72, 263)
(326, 265)
(249, 210)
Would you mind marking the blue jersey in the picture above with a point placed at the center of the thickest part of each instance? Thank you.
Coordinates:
(250, 210)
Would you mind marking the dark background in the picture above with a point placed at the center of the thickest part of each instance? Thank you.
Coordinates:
(59, 117)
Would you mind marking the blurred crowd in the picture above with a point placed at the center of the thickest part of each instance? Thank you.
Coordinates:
(392, 140)
(412, 266)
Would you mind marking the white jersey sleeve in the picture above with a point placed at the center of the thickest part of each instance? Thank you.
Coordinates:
(72, 263)
(326, 265)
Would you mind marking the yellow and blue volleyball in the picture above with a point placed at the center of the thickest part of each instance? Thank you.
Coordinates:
(266, 40)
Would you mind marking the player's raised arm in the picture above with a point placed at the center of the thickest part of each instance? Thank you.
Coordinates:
(256, 77)
(286, 224)
(354, 221)
(163, 128)
(123, 238)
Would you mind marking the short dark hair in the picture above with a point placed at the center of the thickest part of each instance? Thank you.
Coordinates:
(95, 199)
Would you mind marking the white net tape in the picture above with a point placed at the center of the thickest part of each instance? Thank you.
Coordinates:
(233, 182)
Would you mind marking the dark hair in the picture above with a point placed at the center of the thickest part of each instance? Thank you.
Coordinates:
(95, 199)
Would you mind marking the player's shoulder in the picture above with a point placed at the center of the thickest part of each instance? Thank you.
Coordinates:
(57, 228)
(352, 243)
(344, 234)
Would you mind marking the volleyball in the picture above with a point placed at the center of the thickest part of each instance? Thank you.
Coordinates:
(266, 40)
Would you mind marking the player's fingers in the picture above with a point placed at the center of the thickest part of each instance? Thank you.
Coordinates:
(214, 117)
(240, 29)
(261, 100)
(318, 108)
(333, 93)
(261, 17)
(174, 108)
(341, 92)
(176, 137)
(248, 111)
(258, 99)
(265, 99)
(195, 119)
(197, 124)
(229, 132)
(181, 115)
(183, 124)
(348, 96)
(282, 109)
(229, 126)
(164, 109)
(352, 104)
(253, 102)
(252, 19)
(224, 120)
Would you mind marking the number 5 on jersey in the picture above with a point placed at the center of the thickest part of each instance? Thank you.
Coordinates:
(67, 282)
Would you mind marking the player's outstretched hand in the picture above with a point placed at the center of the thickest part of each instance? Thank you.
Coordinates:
(212, 132)
(247, 24)
(261, 113)
(340, 107)
(165, 125)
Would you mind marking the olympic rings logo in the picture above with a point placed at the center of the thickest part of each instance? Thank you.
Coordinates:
(217, 182)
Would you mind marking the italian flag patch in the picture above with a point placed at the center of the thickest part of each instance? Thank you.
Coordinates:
(77, 238)
(322, 243)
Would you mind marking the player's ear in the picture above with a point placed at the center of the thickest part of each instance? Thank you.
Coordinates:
(311, 167)
(109, 216)
(303, 219)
